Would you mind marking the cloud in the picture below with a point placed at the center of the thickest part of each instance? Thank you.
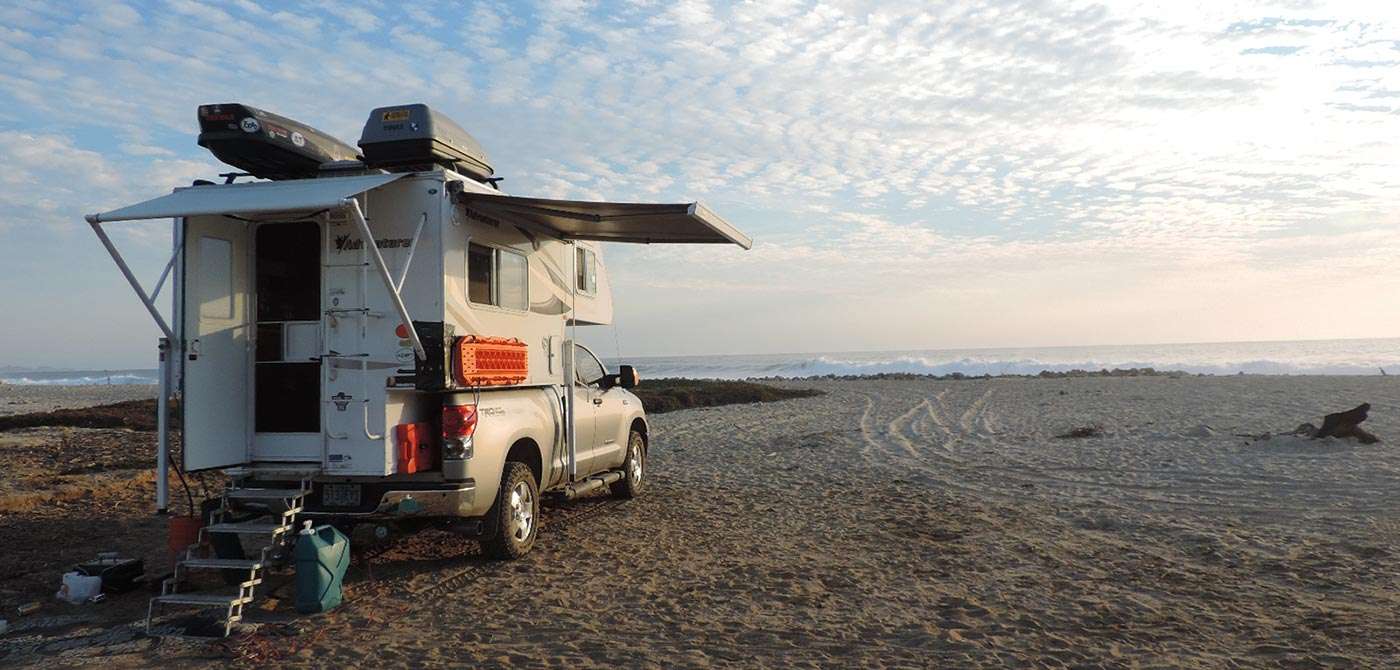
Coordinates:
(870, 148)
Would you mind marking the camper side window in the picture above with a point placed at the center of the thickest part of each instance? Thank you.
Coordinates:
(587, 279)
(479, 274)
(497, 277)
(514, 273)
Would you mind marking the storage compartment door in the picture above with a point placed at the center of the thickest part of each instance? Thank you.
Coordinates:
(218, 331)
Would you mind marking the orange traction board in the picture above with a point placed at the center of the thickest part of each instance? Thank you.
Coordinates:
(490, 361)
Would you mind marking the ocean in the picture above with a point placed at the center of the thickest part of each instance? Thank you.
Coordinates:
(1306, 357)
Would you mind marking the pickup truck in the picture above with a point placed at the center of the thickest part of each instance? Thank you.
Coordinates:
(492, 441)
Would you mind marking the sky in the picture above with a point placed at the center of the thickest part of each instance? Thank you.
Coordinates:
(914, 175)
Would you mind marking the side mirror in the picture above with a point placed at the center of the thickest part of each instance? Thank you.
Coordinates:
(627, 377)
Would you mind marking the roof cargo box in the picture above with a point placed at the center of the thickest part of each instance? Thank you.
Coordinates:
(414, 137)
(267, 145)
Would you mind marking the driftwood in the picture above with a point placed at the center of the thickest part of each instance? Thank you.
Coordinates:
(1342, 424)
(1091, 430)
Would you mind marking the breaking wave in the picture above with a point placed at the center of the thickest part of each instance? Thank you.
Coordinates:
(1336, 357)
(80, 378)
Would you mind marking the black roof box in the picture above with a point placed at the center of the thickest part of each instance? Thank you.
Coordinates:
(414, 137)
(267, 145)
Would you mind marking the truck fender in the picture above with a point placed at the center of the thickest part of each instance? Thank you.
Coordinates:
(523, 442)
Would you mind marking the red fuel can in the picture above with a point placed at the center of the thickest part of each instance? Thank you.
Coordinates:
(417, 448)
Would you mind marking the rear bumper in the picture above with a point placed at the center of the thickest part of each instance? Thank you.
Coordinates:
(457, 502)
(390, 501)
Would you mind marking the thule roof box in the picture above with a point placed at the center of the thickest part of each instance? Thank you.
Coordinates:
(414, 137)
(267, 145)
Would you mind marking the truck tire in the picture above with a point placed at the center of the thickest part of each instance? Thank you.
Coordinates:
(633, 469)
(516, 514)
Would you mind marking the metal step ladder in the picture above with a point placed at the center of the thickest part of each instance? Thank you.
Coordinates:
(278, 508)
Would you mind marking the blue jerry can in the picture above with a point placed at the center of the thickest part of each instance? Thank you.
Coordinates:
(322, 555)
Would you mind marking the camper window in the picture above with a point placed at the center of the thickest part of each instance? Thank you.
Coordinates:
(215, 278)
(497, 277)
(479, 272)
(586, 263)
(514, 293)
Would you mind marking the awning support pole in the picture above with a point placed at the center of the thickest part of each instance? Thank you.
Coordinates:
(412, 246)
(131, 279)
(359, 216)
(569, 434)
(160, 283)
(163, 431)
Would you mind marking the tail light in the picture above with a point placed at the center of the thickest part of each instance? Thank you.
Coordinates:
(458, 426)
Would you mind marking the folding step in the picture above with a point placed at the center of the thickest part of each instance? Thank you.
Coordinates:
(248, 528)
(276, 522)
(222, 563)
(204, 599)
(264, 494)
(273, 471)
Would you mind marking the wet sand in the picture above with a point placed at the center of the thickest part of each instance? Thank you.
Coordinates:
(913, 524)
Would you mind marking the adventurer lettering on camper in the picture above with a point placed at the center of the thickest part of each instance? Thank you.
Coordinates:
(346, 243)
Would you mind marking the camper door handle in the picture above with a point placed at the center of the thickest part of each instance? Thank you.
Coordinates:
(598, 400)
(194, 349)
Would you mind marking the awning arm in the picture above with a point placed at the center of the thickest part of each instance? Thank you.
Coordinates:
(359, 216)
(146, 300)
(164, 274)
(413, 246)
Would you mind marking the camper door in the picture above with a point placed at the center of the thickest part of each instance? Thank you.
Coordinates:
(218, 332)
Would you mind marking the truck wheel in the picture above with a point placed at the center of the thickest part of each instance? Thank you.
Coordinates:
(517, 514)
(633, 469)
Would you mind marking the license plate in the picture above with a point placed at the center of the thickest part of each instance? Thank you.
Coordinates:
(340, 495)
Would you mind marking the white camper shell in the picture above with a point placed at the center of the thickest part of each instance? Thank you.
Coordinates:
(313, 317)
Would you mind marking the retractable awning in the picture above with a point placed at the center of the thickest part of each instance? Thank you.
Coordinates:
(270, 197)
(645, 223)
(264, 197)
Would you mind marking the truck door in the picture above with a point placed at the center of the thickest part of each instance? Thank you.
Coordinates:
(218, 333)
(583, 427)
(608, 416)
(605, 451)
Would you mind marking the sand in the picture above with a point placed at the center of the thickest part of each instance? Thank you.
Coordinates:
(911, 524)
(25, 398)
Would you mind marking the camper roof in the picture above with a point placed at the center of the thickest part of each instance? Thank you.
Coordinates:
(644, 223)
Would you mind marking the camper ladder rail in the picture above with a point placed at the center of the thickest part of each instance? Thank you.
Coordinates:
(279, 507)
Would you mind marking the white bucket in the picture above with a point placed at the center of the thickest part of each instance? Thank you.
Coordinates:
(77, 587)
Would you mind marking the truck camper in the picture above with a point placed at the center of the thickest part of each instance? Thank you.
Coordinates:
(384, 334)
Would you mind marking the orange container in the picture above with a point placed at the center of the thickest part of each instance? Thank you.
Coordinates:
(417, 449)
(490, 361)
(184, 531)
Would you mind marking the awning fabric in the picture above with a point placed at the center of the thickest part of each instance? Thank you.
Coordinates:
(685, 223)
(262, 197)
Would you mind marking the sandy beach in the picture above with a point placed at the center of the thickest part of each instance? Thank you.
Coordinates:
(25, 398)
(892, 524)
